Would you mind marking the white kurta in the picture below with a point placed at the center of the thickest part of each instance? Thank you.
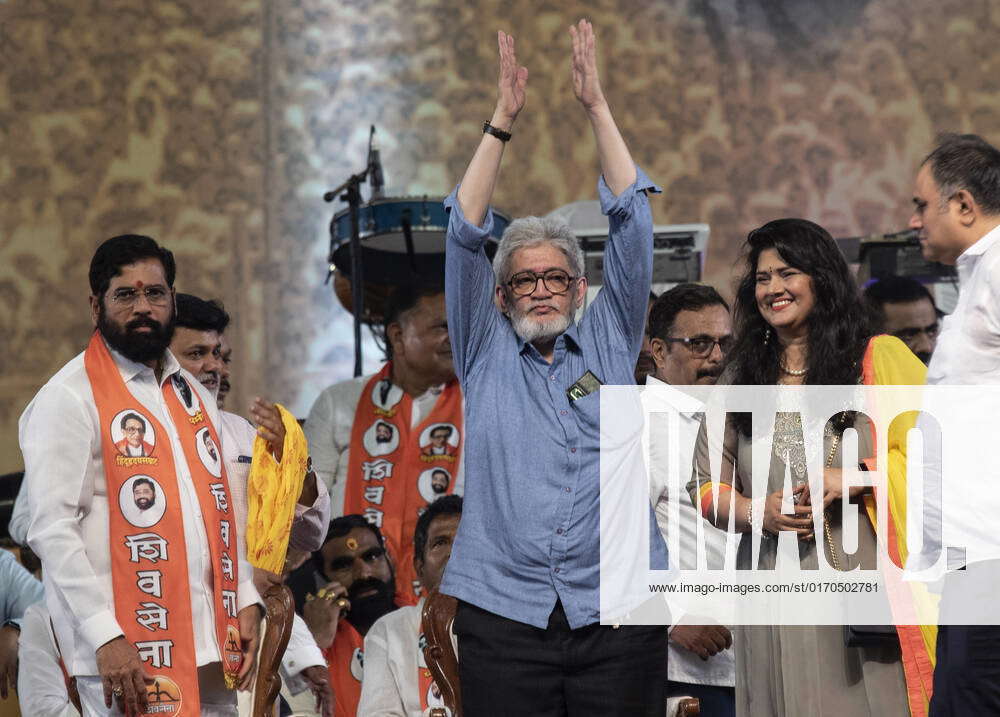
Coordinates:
(328, 430)
(59, 434)
(682, 664)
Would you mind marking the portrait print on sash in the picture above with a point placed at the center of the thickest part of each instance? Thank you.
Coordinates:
(439, 441)
(133, 434)
(142, 501)
(385, 397)
(433, 483)
(381, 439)
(208, 452)
(187, 395)
(358, 664)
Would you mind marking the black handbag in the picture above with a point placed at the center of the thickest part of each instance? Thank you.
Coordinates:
(856, 635)
(870, 636)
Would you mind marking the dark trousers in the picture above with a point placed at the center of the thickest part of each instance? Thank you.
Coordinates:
(967, 673)
(509, 669)
(715, 701)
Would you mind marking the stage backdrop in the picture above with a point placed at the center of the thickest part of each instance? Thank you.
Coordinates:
(217, 126)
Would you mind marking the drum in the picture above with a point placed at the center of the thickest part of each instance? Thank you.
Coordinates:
(382, 225)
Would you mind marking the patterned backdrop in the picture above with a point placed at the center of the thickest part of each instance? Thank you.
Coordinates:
(217, 126)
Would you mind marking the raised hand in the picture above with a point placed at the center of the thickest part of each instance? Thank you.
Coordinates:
(323, 611)
(511, 85)
(586, 83)
(269, 425)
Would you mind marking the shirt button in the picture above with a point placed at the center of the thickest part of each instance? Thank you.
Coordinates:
(559, 531)
(556, 570)
(562, 413)
(552, 378)
(572, 450)
(568, 489)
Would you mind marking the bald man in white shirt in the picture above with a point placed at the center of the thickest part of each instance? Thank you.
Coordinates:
(956, 201)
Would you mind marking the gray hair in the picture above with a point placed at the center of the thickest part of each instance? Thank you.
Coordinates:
(532, 231)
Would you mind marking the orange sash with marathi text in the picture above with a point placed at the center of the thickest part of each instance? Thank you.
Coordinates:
(345, 661)
(395, 471)
(146, 530)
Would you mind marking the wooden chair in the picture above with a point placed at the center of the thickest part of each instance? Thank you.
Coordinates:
(439, 652)
(683, 707)
(278, 628)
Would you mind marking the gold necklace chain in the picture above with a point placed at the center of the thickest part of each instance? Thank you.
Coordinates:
(827, 532)
(791, 372)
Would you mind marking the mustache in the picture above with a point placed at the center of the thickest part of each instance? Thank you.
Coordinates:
(713, 372)
(360, 586)
(143, 321)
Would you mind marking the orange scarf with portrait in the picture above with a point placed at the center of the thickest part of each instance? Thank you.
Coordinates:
(345, 663)
(395, 471)
(148, 554)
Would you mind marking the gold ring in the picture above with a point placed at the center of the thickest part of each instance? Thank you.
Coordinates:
(118, 691)
(322, 593)
(342, 603)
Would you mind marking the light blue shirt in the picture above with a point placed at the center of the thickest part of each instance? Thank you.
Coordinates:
(18, 588)
(530, 529)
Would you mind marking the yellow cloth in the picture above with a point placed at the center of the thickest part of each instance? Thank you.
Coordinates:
(272, 492)
(891, 363)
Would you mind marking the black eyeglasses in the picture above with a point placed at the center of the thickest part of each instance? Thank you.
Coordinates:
(556, 281)
(701, 346)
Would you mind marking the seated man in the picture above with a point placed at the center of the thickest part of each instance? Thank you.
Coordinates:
(905, 308)
(18, 590)
(397, 682)
(358, 587)
(43, 689)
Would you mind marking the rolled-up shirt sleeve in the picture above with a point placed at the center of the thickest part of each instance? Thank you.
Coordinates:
(311, 522)
(57, 443)
(18, 588)
(628, 259)
(469, 286)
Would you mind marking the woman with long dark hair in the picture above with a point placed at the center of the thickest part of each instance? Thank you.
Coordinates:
(799, 319)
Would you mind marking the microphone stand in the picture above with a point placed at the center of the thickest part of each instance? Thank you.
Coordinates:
(352, 195)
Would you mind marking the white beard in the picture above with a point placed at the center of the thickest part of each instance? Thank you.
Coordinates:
(213, 391)
(531, 330)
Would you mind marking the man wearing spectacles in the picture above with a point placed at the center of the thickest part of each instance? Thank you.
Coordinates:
(75, 527)
(690, 332)
(530, 610)
(903, 307)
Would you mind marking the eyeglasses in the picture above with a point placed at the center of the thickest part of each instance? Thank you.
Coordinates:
(127, 297)
(702, 346)
(556, 281)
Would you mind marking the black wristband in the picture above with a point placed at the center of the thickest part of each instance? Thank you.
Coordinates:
(496, 132)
